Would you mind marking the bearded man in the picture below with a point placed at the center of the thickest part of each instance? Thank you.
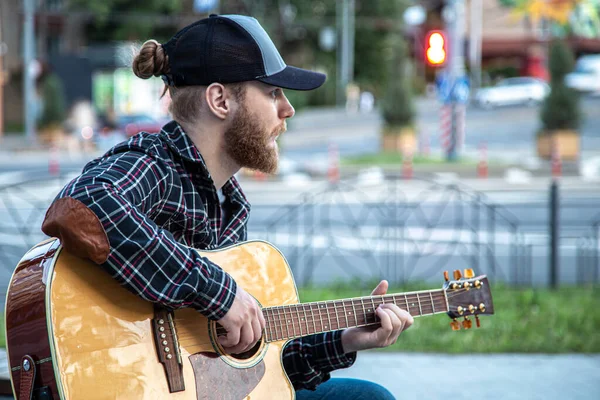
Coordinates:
(142, 209)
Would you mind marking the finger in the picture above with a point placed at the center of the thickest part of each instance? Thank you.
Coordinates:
(383, 333)
(231, 339)
(407, 318)
(256, 330)
(261, 318)
(396, 326)
(246, 336)
(380, 289)
(404, 316)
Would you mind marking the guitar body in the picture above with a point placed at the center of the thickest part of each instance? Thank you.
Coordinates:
(92, 339)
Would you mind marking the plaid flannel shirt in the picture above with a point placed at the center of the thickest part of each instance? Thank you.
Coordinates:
(154, 193)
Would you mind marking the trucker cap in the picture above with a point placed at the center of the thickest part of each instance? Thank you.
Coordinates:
(228, 49)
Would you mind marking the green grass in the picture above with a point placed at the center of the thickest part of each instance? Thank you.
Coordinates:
(525, 321)
(396, 158)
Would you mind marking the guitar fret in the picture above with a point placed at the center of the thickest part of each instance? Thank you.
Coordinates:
(280, 320)
(323, 328)
(328, 316)
(374, 314)
(345, 316)
(407, 306)
(294, 334)
(298, 319)
(432, 305)
(286, 323)
(355, 315)
(337, 316)
(362, 302)
(419, 301)
(305, 319)
(270, 321)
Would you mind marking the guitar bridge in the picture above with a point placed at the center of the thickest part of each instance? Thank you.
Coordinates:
(167, 348)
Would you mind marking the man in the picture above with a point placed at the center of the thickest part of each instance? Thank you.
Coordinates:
(141, 201)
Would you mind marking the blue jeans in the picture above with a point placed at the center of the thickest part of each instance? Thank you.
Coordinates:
(346, 389)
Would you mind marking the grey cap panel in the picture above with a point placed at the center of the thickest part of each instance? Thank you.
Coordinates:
(271, 57)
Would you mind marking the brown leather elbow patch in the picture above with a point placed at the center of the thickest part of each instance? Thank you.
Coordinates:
(78, 228)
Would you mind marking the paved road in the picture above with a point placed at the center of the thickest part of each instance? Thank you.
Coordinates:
(508, 131)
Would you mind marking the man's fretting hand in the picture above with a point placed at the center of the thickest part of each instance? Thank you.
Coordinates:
(393, 319)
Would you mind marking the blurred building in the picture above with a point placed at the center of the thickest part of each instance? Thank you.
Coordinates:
(56, 33)
(88, 71)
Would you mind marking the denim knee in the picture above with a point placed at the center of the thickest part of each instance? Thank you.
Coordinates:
(374, 391)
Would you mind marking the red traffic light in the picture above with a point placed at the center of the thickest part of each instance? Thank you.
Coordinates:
(435, 48)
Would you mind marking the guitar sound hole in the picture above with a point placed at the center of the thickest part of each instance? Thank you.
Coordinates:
(250, 353)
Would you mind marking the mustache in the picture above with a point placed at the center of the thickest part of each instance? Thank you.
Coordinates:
(280, 129)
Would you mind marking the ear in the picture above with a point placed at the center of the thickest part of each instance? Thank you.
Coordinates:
(218, 100)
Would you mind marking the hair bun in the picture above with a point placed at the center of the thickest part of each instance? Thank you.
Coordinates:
(151, 60)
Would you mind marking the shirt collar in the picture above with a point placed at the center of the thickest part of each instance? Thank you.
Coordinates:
(185, 148)
(181, 143)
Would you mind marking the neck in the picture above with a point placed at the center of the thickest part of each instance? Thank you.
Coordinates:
(208, 141)
(297, 320)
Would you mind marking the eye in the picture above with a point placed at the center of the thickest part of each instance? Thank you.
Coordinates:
(275, 93)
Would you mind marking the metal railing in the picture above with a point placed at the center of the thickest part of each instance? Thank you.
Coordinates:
(391, 230)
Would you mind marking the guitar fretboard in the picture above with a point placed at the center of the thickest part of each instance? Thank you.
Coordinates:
(297, 320)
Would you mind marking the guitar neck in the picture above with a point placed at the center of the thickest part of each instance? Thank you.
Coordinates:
(297, 320)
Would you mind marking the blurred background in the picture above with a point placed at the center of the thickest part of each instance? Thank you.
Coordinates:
(450, 134)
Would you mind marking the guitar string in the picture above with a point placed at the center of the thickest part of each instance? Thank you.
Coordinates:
(356, 317)
(276, 316)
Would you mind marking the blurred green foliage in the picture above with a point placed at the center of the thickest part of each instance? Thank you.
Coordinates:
(294, 26)
(561, 108)
(398, 106)
(525, 321)
(54, 111)
(116, 20)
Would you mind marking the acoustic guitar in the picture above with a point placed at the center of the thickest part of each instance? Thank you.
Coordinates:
(72, 332)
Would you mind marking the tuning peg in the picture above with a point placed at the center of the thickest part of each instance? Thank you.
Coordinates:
(468, 273)
(457, 274)
(477, 323)
(455, 325)
(446, 276)
(467, 323)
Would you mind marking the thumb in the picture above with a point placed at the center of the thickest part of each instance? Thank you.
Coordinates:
(381, 288)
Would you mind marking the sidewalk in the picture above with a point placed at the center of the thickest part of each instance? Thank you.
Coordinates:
(474, 376)
(481, 376)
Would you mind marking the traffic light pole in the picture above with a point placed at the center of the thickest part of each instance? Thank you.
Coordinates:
(455, 23)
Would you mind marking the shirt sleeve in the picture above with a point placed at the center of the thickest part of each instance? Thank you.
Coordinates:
(309, 360)
(125, 191)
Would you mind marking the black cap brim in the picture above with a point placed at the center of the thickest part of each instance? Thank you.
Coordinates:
(295, 79)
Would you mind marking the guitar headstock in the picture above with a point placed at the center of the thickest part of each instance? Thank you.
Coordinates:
(467, 296)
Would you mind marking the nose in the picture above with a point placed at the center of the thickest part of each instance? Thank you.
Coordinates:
(286, 109)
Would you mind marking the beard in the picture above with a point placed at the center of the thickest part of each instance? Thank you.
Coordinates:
(250, 145)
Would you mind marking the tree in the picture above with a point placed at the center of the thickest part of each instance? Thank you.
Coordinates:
(116, 20)
(54, 110)
(398, 107)
(561, 108)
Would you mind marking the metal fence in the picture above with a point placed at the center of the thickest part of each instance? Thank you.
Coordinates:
(398, 230)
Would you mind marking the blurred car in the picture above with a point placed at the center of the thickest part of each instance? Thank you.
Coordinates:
(511, 91)
(131, 124)
(586, 75)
